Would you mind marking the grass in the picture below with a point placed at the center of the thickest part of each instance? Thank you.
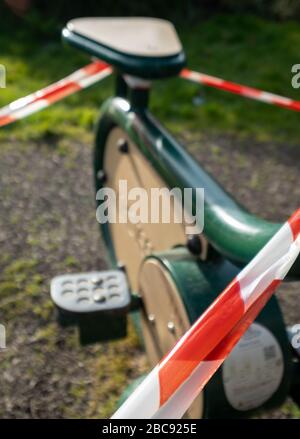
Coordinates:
(291, 409)
(19, 283)
(244, 49)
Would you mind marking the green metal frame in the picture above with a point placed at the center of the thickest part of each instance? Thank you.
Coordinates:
(230, 229)
(235, 234)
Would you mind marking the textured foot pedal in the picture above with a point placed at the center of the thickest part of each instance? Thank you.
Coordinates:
(94, 292)
(97, 302)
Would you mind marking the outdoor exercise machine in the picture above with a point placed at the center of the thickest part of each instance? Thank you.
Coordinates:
(160, 276)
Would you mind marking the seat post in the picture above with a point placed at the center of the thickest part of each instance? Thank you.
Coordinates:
(138, 91)
(139, 98)
(121, 87)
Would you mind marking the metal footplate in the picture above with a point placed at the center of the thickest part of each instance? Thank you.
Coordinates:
(97, 302)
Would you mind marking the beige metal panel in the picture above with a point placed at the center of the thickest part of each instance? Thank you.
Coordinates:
(133, 242)
(135, 36)
(164, 319)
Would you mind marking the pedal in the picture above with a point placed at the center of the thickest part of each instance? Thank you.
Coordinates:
(97, 302)
(94, 292)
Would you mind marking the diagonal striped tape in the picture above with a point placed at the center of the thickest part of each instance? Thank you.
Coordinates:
(98, 70)
(82, 78)
(243, 90)
(173, 384)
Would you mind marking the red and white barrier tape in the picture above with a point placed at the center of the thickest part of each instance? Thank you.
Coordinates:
(98, 70)
(243, 90)
(174, 383)
(82, 78)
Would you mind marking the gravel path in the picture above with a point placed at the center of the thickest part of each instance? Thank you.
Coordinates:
(48, 226)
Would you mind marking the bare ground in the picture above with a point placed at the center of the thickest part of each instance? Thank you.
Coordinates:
(48, 226)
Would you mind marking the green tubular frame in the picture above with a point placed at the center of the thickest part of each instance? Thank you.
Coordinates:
(230, 229)
(235, 234)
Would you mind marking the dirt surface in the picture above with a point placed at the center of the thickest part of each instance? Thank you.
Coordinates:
(48, 227)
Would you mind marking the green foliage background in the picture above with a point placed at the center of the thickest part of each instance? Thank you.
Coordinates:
(240, 47)
(188, 9)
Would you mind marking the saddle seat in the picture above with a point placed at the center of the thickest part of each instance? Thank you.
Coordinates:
(144, 47)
